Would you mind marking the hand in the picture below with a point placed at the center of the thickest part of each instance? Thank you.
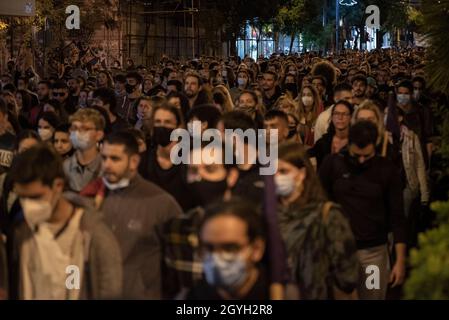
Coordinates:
(397, 275)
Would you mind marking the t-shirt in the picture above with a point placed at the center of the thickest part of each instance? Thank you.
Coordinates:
(7, 144)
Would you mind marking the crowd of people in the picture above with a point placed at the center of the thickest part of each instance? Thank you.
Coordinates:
(87, 179)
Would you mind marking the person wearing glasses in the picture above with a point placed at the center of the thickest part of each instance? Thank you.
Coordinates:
(86, 131)
(337, 134)
(60, 92)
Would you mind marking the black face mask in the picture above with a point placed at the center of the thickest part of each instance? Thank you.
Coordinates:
(209, 191)
(161, 136)
(291, 132)
(130, 88)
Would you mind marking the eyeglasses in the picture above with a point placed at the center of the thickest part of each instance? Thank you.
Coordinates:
(340, 114)
(80, 129)
(58, 94)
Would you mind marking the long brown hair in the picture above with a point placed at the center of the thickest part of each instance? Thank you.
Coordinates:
(295, 154)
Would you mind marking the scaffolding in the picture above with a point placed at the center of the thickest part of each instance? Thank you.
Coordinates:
(156, 28)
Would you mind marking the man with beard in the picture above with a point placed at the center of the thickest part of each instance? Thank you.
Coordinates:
(134, 91)
(192, 88)
(369, 189)
(74, 89)
(359, 84)
(60, 92)
(135, 210)
(271, 90)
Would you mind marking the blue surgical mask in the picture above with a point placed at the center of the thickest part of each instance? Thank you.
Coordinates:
(225, 270)
(403, 99)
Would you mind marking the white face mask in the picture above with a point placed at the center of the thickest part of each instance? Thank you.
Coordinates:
(307, 101)
(36, 211)
(285, 184)
(123, 183)
(241, 81)
(80, 140)
(45, 134)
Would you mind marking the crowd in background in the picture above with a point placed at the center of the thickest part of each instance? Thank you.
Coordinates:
(87, 179)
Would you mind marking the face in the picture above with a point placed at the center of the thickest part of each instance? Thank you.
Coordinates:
(164, 118)
(280, 125)
(290, 79)
(359, 89)
(268, 82)
(19, 99)
(38, 191)
(21, 85)
(60, 94)
(175, 101)
(319, 85)
(362, 154)
(144, 108)
(341, 117)
(26, 144)
(247, 103)
(88, 128)
(83, 96)
(42, 91)
(116, 163)
(307, 93)
(370, 91)
(287, 169)
(403, 90)
(102, 79)
(343, 95)
(227, 235)
(191, 87)
(147, 85)
(61, 142)
(73, 85)
(42, 124)
(120, 87)
(382, 77)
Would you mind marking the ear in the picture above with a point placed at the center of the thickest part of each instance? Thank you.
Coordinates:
(204, 125)
(301, 175)
(258, 250)
(134, 161)
(58, 184)
(99, 135)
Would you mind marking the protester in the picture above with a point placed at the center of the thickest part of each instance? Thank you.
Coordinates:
(318, 239)
(368, 187)
(139, 231)
(53, 236)
(86, 131)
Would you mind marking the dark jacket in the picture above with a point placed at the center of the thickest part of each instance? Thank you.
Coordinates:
(321, 149)
(371, 198)
(103, 269)
(3, 270)
(136, 214)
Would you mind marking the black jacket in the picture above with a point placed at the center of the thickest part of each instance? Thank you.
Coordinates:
(371, 198)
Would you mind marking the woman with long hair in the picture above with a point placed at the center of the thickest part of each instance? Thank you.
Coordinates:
(310, 106)
(222, 98)
(320, 245)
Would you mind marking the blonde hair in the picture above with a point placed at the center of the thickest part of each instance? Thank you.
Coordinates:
(92, 115)
(228, 105)
(287, 100)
